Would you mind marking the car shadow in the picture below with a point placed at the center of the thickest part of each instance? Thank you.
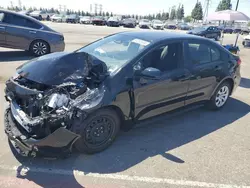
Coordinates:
(245, 83)
(15, 56)
(150, 138)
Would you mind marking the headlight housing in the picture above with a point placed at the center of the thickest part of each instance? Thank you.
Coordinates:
(90, 99)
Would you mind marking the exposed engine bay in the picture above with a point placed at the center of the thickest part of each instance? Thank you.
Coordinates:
(40, 109)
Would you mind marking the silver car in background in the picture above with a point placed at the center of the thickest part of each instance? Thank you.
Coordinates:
(144, 23)
(157, 24)
(23, 32)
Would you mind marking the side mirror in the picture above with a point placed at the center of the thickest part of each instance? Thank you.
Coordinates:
(150, 73)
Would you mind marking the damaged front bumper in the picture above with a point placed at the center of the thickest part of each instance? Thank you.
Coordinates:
(56, 145)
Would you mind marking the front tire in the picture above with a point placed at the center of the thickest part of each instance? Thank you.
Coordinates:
(39, 48)
(220, 96)
(98, 131)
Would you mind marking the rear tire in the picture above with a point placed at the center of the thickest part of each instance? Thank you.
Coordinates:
(98, 131)
(39, 48)
(220, 97)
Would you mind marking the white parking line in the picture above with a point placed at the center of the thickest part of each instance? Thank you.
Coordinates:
(123, 177)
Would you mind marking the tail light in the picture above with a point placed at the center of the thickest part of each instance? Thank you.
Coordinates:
(239, 61)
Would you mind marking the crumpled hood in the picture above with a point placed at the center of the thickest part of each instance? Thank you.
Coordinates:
(57, 68)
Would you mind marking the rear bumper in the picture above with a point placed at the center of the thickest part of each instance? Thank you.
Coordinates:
(55, 145)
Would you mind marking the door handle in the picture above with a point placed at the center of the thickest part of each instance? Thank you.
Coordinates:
(182, 77)
(32, 32)
(217, 68)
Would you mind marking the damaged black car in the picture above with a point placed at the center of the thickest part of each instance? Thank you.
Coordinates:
(82, 99)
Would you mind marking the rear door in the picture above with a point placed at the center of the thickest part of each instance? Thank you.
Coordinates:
(20, 31)
(2, 30)
(206, 67)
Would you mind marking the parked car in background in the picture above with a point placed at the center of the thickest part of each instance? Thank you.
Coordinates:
(183, 26)
(245, 31)
(113, 22)
(157, 24)
(144, 23)
(26, 12)
(246, 42)
(130, 22)
(23, 32)
(72, 18)
(40, 15)
(86, 20)
(111, 84)
(98, 20)
(237, 30)
(227, 29)
(207, 31)
(170, 26)
(58, 18)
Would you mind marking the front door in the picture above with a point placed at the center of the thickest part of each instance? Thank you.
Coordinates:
(206, 67)
(154, 96)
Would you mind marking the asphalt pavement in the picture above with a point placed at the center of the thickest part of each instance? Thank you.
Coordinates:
(191, 148)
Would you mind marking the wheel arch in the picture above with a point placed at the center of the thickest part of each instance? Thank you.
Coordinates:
(35, 40)
(226, 79)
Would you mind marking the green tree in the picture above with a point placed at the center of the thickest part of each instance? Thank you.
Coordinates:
(107, 13)
(136, 17)
(24, 8)
(167, 16)
(197, 12)
(158, 16)
(87, 13)
(111, 14)
(103, 13)
(248, 24)
(173, 13)
(188, 19)
(224, 5)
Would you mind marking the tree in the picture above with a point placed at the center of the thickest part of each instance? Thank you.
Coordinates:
(158, 16)
(197, 12)
(167, 16)
(24, 8)
(224, 5)
(111, 14)
(103, 13)
(188, 19)
(136, 17)
(107, 13)
(248, 24)
(173, 13)
(83, 13)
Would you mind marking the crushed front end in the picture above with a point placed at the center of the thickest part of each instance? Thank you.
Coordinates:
(40, 116)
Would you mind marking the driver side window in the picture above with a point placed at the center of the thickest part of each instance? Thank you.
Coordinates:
(165, 58)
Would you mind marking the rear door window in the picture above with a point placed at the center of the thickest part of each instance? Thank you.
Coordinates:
(202, 53)
(20, 21)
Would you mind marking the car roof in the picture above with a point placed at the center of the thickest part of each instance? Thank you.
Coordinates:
(27, 17)
(156, 36)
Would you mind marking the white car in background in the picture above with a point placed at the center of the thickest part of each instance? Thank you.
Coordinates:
(157, 24)
(85, 20)
(40, 15)
(58, 18)
(144, 23)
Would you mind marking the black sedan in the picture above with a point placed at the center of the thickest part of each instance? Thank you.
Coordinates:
(85, 97)
(131, 23)
(113, 22)
(207, 31)
(73, 18)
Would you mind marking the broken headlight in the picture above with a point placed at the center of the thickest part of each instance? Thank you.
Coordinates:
(90, 99)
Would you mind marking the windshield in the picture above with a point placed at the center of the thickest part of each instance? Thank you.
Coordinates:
(116, 50)
(144, 20)
(158, 22)
(201, 28)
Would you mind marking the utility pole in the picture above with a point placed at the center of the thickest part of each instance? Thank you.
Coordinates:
(237, 5)
(207, 3)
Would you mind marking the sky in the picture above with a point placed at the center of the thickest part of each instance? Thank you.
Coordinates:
(140, 7)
